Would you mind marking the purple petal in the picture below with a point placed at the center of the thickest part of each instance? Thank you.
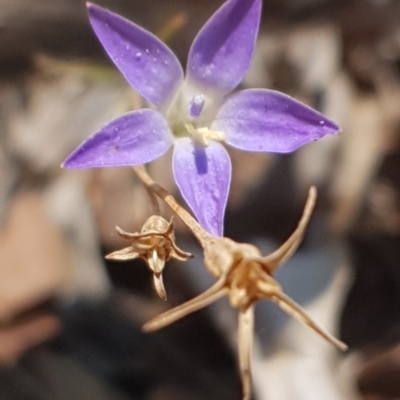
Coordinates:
(203, 175)
(221, 53)
(147, 63)
(135, 138)
(265, 120)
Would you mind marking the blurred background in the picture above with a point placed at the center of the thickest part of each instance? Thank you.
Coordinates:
(70, 321)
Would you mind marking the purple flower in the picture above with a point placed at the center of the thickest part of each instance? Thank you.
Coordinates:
(194, 113)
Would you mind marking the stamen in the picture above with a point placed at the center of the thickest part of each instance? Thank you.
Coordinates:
(215, 135)
(196, 105)
(197, 135)
(202, 135)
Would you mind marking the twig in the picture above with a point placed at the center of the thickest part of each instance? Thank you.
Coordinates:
(200, 233)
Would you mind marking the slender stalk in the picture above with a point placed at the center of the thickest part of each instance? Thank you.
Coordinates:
(245, 342)
(278, 257)
(169, 317)
(198, 231)
(293, 309)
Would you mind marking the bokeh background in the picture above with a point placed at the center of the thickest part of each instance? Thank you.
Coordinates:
(70, 322)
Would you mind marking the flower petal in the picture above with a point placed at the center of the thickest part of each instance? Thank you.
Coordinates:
(147, 63)
(203, 175)
(123, 255)
(221, 53)
(134, 138)
(266, 120)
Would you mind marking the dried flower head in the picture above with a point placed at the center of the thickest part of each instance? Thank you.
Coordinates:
(155, 244)
(244, 276)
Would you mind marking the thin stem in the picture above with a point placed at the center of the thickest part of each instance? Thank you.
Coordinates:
(278, 257)
(198, 231)
(245, 343)
(294, 310)
(204, 299)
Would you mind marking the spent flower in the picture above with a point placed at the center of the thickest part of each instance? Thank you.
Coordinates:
(155, 244)
(244, 276)
(196, 113)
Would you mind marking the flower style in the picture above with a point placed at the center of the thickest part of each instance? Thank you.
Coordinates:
(156, 245)
(243, 275)
(195, 113)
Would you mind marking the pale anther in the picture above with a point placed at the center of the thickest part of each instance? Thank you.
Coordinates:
(202, 135)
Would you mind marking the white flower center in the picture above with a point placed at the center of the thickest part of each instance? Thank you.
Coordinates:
(191, 114)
